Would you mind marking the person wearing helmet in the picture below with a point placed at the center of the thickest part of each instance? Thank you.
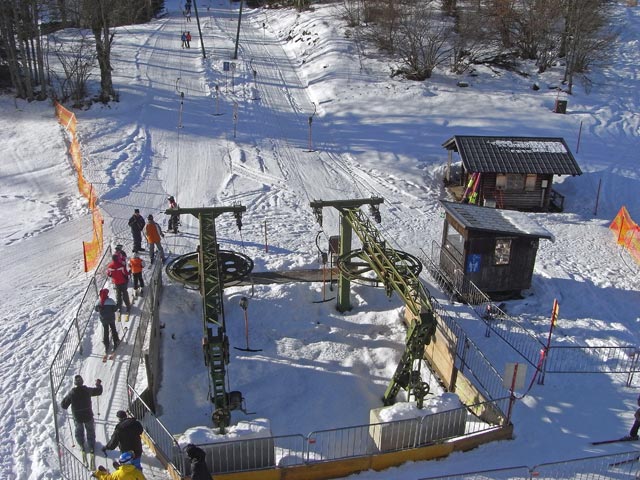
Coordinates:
(174, 220)
(119, 250)
(154, 235)
(117, 272)
(199, 468)
(126, 437)
(136, 264)
(125, 471)
(107, 309)
(79, 399)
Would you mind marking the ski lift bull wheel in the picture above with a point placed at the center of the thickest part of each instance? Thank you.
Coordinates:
(234, 268)
(355, 265)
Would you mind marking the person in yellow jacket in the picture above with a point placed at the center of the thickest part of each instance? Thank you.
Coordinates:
(135, 267)
(154, 234)
(125, 471)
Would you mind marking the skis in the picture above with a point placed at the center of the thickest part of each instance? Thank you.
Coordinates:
(112, 355)
(90, 463)
(615, 440)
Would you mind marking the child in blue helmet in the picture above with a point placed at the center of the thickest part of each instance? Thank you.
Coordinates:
(126, 470)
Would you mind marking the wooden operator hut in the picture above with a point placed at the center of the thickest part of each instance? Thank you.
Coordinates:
(514, 173)
(495, 249)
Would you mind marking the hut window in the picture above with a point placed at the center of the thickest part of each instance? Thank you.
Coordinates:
(530, 182)
(501, 181)
(515, 181)
(454, 239)
(502, 253)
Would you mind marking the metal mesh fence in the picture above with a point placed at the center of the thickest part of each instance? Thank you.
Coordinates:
(621, 466)
(559, 358)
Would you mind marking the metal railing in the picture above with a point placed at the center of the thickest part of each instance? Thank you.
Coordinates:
(340, 443)
(369, 439)
(148, 316)
(255, 454)
(621, 466)
(72, 340)
(558, 358)
(163, 441)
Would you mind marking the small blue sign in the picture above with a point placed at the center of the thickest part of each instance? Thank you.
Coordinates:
(226, 66)
(473, 263)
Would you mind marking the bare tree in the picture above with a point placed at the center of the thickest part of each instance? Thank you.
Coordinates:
(536, 27)
(78, 59)
(470, 38)
(586, 39)
(21, 44)
(385, 16)
(422, 42)
(100, 16)
(353, 12)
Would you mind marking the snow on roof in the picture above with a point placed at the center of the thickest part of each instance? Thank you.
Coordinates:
(510, 222)
(530, 146)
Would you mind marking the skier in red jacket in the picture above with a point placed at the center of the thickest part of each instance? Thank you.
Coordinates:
(117, 272)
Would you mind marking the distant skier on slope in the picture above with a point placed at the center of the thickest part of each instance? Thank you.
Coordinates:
(125, 471)
(79, 398)
(126, 437)
(199, 468)
(107, 308)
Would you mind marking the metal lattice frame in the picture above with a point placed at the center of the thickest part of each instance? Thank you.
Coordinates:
(215, 342)
(398, 275)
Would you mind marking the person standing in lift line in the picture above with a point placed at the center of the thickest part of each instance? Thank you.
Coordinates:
(188, 39)
(136, 224)
(154, 236)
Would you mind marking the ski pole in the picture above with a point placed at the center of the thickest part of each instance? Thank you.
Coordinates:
(98, 405)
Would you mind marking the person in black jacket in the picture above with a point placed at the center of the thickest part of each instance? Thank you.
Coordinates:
(79, 398)
(126, 437)
(199, 468)
(136, 223)
(107, 309)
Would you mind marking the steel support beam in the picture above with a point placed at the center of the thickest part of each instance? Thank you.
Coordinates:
(215, 343)
(397, 276)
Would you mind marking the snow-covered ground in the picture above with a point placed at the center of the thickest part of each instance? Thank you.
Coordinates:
(370, 136)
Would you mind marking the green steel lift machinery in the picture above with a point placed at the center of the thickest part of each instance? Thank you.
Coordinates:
(215, 342)
(398, 272)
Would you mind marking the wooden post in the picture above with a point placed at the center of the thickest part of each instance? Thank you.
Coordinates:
(266, 243)
(579, 135)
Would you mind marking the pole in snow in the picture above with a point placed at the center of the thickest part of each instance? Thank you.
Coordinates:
(244, 305)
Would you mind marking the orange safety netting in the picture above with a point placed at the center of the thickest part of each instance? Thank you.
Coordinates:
(627, 233)
(91, 250)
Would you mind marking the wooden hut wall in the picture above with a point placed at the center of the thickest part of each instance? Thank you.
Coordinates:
(452, 257)
(533, 200)
(516, 275)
